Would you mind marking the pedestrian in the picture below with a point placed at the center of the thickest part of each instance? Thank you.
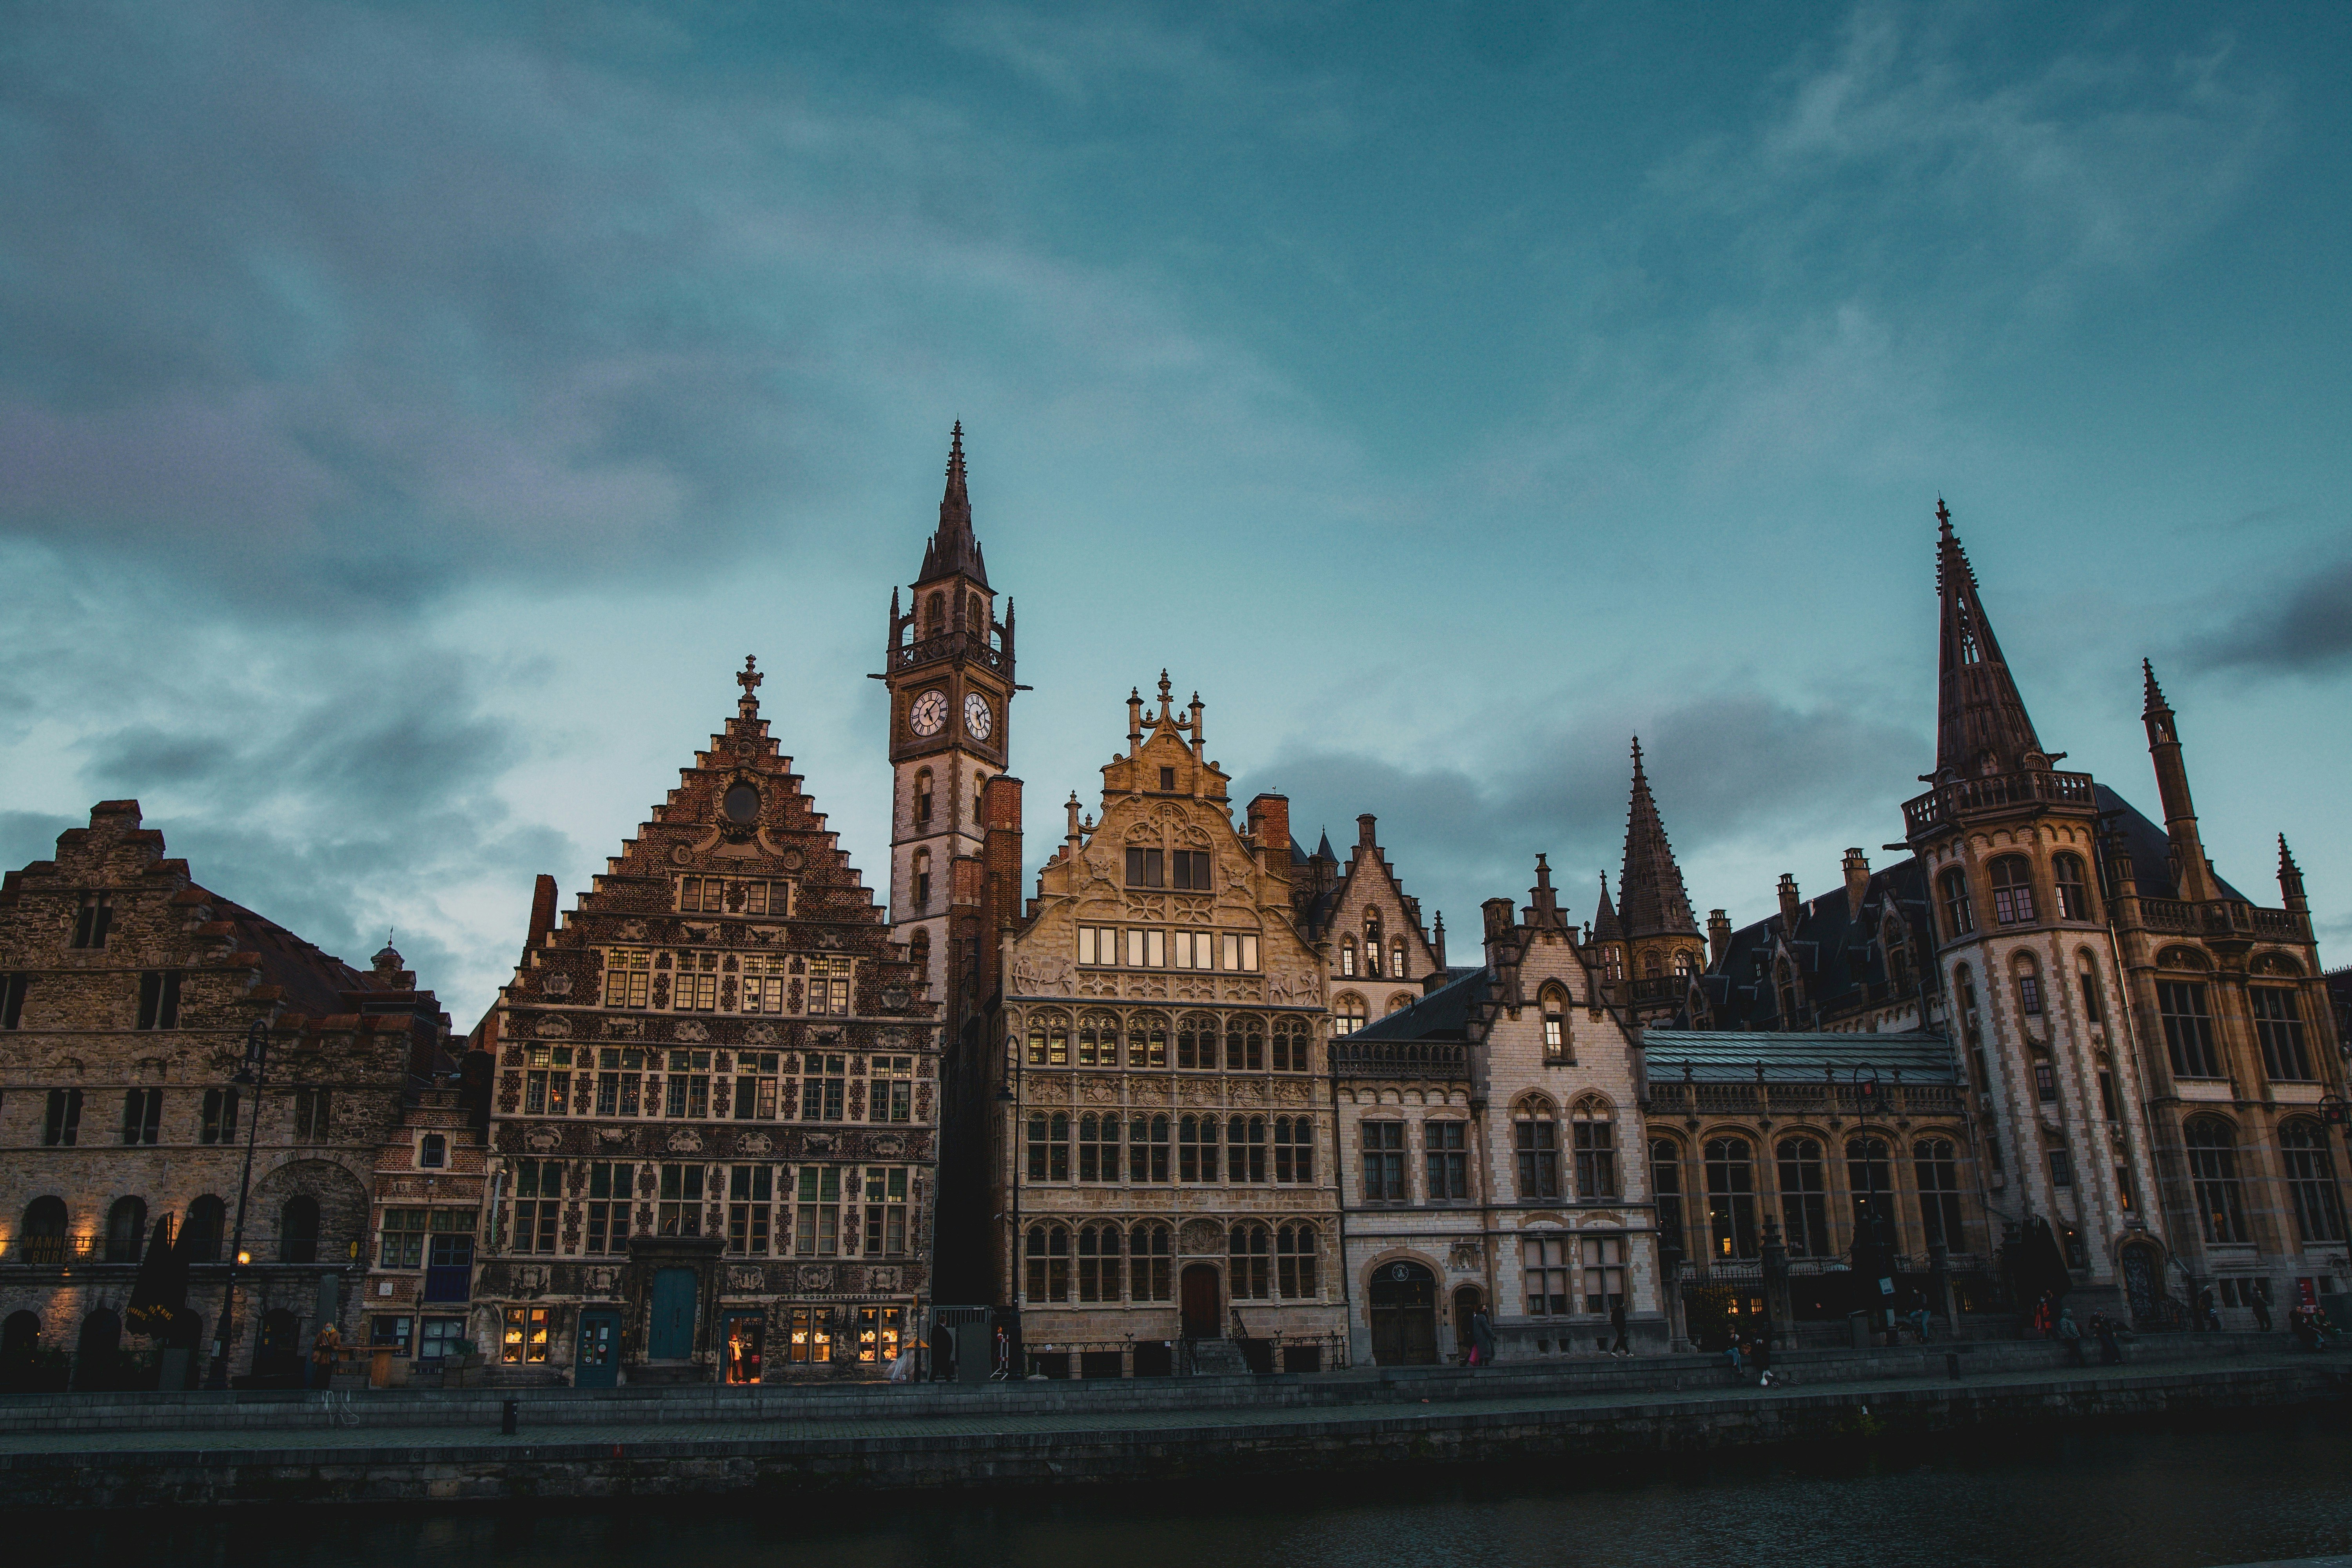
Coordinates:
(1919, 1316)
(1617, 1321)
(1731, 1356)
(2209, 1311)
(323, 1349)
(2110, 1352)
(2259, 1300)
(2045, 1315)
(902, 1369)
(1760, 1352)
(1482, 1338)
(2070, 1335)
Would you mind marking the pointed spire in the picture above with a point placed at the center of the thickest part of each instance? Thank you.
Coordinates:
(1981, 725)
(954, 550)
(1323, 849)
(1656, 901)
(2151, 694)
(749, 677)
(2290, 877)
(1606, 927)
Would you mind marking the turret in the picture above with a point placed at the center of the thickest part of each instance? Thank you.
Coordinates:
(1981, 725)
(1857, 882)
(2193, 879)
(2290, 877)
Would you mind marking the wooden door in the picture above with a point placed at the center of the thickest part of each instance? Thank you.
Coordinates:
(673, 1326)
(598, 1364)
(1204, 1303)
(1404, 1311)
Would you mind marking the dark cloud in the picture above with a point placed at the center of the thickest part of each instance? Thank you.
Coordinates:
(2303, 626)
(29, 836)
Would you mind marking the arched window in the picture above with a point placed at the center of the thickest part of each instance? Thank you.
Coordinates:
(2013, 890)
(1730, 1198)
(1099, 1147)
(2074, 892)
(979, 784)
(2087, 977)
(1535, 1138)
(298, 1230)
(1248, 1248)
(1372, 944)
(1555, 1026)
(922, 881)
(1098, 1263)
(935, 614)
(2213, 1173)
(1804, 1198)
(1347, 955)
(1290, 1038)
(1150, 1263)
(201, 1232)
(975, 618)
(1246, 1149)
(2311, 1182)
(2188, 1028)
(1049, 1146)
(2278, 1028)
(1147, 1149)
(1196, 1041)
(1896, 941)
(1958, 918)
(923, 798)
(1612, 965)
(1683, 964)
(1939, 1194)
(126, 1230)
(1650, 966)
(1295, 1254)
(1592, 1126)
(1049, 1263)
(432, 1150)
(1666, 1195)
(44, 1235)
(1870, 1176)
(1098, 1040)
(1293, 1149)
(1147, 1040)
(2028, 975)
(1398, 1001)
(1049, 1040)
(1347, 1014)
(1196, 1149)
(919, 953)
(1244, 1043)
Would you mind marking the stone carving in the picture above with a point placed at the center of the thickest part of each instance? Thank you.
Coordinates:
(622, 1028)
(632, 930)
(792, 859)
(556, 984)
(889, 1146)
(554, 1027)
(1202, 1236)
(699, 933)
(543, 1139)
(1035, 975)
(760, 1035)
(756, 1145)
(1282, 989)
(1249, 1091)
(1052, 1090)
(815, 1277)
(685, 1141)
(1102, 1092)
(882, 1277)
(1466, 1258)
(1603, 1218)
(1293, 1092)
(613, 1137)
(690, 1030)
(1196, 1092)
(1149, 1093)
(743, 1281)
(599, 1281)
(679, 855)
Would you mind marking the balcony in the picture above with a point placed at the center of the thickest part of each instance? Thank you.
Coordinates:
(1793, 1100)
(1950, 804)
(951, 646)
(2224, 918)
(1400, 1059)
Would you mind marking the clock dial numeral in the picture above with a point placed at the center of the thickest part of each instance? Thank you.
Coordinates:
(977, 718)
(928, 714)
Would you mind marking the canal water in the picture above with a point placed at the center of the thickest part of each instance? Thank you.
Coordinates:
(2261, 1489)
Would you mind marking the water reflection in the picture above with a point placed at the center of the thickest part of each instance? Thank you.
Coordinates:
(2262, 1490)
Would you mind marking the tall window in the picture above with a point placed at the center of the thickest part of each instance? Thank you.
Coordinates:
(1293, 1149)
(1196, 1149)
(1535, 1138)
(1099, 1147)
(1049, 1146)
(1804, 1201)
(1383, 1143)
(886, 1211)
(142, 1115)
(43, 1231)
(1604, 1271)
(1151, 1252)
(1290, 1038)
(2214, 1172)
(1193, 868)
(1666, 1191)
(126, 1230)
(610, 1189)
(679, 1211)
(1347, 1014)
(159, 1000)
(1544, 1270)
(1592, 1126)
(12, 999)
(2188, 1028)
(1248, 1248)
(828, 986)
(1730, 1198)
(1294, 1256)
(1959, 920)
(1347, 955)
(1246, 1149)
(1146, 868)
(1445, 1146)
(2087, 977)
(1147, 1149)
(1939, 1192)
(219, 1123)
(93, 920)
(2311, 1182)
(628, 972)
(61, 1124)
(750, 1198)
(2029, 988)
(922, 881)
(923, 798)
(298, 1230)
(824, 1086)
(313, 1115)
(1196, 1041)
(1098, 1263)
(1244, 1043)
(2278, 1025)
(816, 1214)
(201, 1233)
(2074, 892)
(1870, 1174)
(1049, 1041)
(1555, 1026)
(1049, 1263)
(2013, 890)
(1098, 1041)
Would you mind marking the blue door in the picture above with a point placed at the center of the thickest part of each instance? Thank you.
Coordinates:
(673, 1329)
(598, 1364)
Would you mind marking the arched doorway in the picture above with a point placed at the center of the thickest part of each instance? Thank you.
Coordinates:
(278, 1354)
(1467, 1299)
(2143, 1272)
(1203, 1303)
(95, 1356)
(1405, 1315)
(20, 1345)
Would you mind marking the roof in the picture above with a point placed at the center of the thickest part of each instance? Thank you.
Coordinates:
(1441, 1014)
(1795, 1057)
(1842, 963)
(2149, 846)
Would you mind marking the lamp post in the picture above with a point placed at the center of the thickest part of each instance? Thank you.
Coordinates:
(252, 1073)
(1870, 1237)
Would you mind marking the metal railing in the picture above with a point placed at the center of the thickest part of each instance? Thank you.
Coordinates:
(2223, 916)
(1750, 1270)
(1963, 797)
(1802, 1098)
(1399, 1058)
(951, 644)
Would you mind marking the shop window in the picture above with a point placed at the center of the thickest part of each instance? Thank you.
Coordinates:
(523, 1342)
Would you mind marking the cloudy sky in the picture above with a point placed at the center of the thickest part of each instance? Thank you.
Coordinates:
(411, 415)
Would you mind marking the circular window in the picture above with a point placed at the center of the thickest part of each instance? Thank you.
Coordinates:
(742, 803)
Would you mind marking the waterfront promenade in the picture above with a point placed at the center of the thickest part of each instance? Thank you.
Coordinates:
(141, 1450)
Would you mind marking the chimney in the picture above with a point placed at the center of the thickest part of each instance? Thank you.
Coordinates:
(1499, 957)
(542, 912)
(1857, 882)
(1364, 824)
(1718, 937)
(1269, 824)
(1789, 903)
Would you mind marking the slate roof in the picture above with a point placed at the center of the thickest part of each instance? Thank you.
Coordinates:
(2149, 846)
(1841, 964)
(1441, 1014)
(1716, 1056)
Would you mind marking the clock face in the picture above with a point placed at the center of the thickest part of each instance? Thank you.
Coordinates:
(976, 716)
(929, 713)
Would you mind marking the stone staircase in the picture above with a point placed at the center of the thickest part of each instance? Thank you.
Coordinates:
(1218, 1358)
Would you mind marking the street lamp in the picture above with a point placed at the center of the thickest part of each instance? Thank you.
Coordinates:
(252, 1073)
(1870, 1238)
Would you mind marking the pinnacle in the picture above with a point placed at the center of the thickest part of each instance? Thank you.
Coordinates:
(2153, 693)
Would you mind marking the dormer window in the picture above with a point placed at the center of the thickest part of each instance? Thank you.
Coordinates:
(432, 1150)
(1168, 781)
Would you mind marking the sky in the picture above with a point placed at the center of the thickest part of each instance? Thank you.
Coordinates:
(411, 415)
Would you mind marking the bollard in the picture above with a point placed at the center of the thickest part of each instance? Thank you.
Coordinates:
(507, 1418)
(1952, 1365)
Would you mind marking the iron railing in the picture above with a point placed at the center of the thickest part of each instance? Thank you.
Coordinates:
(1949, 802)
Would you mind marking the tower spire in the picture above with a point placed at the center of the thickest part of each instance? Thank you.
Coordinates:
(954, 549)
(2191, 879)
(1654, 901)
(1981, 725)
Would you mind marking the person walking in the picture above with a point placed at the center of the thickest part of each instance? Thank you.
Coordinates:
(1919, 1316)
(2260, 1301)
(2209, 1311)
(2070, 1335)
(1617, 1322)
(2111, 1353)
(323, 1349)
(1482, 1338)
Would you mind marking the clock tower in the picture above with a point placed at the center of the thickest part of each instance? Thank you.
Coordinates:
(950, 670)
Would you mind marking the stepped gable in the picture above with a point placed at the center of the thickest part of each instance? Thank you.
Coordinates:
(739, 815)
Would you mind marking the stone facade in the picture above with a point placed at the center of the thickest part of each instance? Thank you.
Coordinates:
(712, 1125)
(131, 993)
(1376, 953)
(1162, 1151)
